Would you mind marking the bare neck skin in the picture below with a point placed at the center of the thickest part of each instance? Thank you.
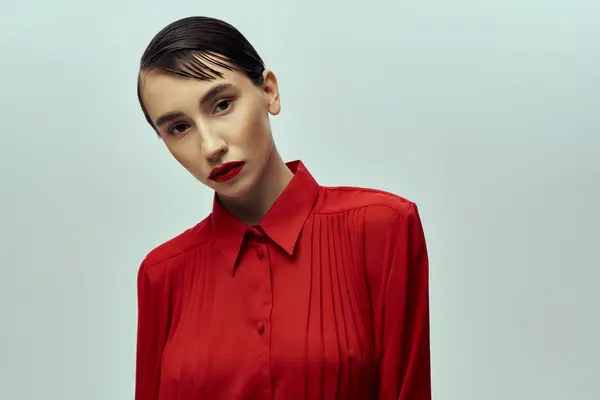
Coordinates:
(253, 206)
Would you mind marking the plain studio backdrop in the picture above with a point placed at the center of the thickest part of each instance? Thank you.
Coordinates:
(485, 113)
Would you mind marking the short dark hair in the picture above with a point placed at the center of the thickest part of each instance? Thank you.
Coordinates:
(189, 46)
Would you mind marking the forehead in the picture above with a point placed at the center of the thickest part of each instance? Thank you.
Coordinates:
(163, 91)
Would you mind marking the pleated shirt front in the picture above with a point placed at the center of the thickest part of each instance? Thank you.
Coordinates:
(326, 298)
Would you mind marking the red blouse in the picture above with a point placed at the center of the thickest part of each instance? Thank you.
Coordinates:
(326, 298)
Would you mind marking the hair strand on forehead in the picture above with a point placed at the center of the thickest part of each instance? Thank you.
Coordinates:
(197, 65)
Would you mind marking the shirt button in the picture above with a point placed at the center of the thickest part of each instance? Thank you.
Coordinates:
(260, 327)
(260, 253)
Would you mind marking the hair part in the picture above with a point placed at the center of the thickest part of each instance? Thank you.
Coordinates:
(191, 47)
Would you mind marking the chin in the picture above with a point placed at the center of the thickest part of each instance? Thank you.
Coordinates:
(235, 189)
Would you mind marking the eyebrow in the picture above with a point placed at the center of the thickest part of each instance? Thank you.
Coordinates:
(163, 119)
(207, 97)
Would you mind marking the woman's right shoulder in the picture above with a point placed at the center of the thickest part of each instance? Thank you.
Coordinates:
(175, 249)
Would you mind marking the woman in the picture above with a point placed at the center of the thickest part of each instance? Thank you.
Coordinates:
(288, 289)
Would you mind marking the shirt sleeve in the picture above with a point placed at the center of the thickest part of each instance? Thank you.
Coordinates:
(152, 331)
(396, 249)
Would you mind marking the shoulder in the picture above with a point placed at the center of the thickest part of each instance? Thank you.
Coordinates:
(383, 217)
(377, 205)
(157, 259)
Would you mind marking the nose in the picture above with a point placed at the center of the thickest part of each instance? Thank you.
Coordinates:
(212, 144)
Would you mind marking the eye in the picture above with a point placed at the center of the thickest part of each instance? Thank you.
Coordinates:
(178, 128)
(223, 106)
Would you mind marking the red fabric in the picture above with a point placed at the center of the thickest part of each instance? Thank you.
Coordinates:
(326, 298)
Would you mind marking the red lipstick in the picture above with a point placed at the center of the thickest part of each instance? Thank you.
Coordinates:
(226, 171)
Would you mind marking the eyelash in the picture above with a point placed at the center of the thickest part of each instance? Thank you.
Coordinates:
(170, 130)
(230, 101)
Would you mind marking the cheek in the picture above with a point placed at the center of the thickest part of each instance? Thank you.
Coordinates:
(255, 132)
(189, 156)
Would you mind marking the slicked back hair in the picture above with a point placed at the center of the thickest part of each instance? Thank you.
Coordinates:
(192, 46)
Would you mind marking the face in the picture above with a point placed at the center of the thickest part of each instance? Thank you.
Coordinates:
(206, 124)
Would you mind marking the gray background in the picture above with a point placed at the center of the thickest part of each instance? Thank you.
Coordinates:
(485, 113)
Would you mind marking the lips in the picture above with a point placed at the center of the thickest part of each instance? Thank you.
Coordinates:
(226, 171)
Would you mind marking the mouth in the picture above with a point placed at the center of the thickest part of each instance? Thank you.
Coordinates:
(226, 171)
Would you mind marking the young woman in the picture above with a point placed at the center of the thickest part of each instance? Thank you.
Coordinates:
(288, 289)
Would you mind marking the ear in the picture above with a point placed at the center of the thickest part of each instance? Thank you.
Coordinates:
(271, 90)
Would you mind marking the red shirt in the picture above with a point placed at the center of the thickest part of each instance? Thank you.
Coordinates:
(326, 298)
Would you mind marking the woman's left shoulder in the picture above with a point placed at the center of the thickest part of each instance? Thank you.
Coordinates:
(378, 204)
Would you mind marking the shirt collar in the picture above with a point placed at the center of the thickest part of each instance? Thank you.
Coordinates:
(282, 223)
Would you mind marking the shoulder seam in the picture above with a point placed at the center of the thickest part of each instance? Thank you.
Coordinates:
(411, 207)
(148, 266)
(366, 190)
(360, 189)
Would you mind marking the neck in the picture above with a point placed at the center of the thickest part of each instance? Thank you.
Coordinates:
(253, 206)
